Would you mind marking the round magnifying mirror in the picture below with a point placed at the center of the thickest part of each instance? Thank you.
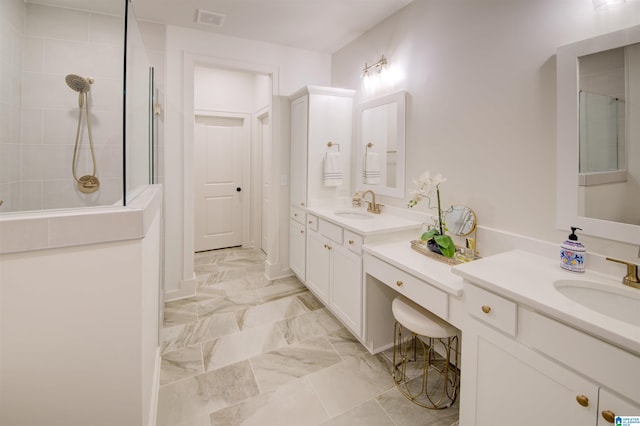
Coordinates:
(460, 220)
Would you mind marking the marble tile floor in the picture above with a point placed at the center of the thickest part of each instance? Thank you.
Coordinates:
(248, 351)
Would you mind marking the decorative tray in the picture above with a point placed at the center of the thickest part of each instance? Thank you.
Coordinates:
(423, 249)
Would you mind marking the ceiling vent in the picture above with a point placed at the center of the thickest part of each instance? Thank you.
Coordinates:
(209, 18)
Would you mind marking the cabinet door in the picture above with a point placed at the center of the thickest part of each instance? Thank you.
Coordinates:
(299, 122)
(318, 265)
(611, 405)
(504, 382)
(297, 248)
(346, 288)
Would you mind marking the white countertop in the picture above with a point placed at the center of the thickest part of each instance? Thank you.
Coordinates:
(401, 255)
(528, 279)
(372, 225)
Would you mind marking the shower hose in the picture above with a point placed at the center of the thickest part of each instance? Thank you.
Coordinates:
(86, 182)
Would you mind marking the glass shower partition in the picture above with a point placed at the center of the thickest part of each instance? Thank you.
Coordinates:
(51, 133)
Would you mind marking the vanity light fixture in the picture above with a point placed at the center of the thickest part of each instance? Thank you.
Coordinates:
(378, 66)
(602, 4)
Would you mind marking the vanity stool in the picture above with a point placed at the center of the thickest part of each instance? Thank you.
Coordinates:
(434, 337)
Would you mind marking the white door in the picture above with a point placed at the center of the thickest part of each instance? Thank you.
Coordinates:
(218, 178)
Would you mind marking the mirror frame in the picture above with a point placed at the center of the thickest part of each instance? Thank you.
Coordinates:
(401, 99)
(567, 142)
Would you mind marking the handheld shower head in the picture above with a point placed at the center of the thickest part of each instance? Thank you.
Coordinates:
(79, 84)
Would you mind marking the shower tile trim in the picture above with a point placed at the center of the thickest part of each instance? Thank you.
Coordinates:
(23, 232)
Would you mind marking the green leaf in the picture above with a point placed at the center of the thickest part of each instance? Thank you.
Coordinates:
(447, 247)
(429, 235)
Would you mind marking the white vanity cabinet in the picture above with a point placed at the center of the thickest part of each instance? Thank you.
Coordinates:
(521, 367)
(334, 271)
(297, 242)
(318, 115)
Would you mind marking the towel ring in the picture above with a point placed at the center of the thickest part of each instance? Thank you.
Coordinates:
(330, 144)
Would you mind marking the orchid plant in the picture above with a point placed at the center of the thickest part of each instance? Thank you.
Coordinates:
(425, 186)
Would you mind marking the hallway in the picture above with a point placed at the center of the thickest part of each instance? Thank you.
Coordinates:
(248, 351)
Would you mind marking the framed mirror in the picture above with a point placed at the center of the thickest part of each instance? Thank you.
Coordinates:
(598, 136)
(460, 220)
(381, 145)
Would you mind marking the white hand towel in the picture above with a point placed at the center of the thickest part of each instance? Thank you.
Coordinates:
(332, 171)
(371, 168)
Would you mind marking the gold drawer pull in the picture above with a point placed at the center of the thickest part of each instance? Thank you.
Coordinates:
(310, 222)
(350, 241)
(582, 400)
(399, 283)
(609, 416)
(486, 309)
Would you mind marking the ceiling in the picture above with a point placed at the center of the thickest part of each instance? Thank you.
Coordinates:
(318, 25)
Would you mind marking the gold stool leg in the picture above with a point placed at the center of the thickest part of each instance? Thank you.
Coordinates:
(436, 398)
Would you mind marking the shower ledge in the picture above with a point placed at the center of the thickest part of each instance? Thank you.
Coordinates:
(23, 232)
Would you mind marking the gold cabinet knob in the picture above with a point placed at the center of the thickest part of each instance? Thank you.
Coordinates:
(295, 215)
(310, 222)
(351, 242)
(302, 204)
(609, 416)
(582, 400)
(301, 231)
(486, 309)
(399, 283)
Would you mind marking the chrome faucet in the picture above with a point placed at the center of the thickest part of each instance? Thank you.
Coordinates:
(372, 206)
(631, 279)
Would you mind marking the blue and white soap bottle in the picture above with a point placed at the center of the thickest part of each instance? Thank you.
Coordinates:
(572, 253)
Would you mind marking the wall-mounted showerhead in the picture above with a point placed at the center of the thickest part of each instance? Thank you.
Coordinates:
(79, 84)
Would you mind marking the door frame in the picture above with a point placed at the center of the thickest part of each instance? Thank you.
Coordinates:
(274, 263)
(261, 142)
(246, 185)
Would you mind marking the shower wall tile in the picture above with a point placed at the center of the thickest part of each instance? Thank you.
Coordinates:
(30, 195)
(108, 159)
(58, 94)
(46, 161)
(12, 14)
(59, 126)
(58, 194)
(86, 59)
(6, 197)
(32, 130)
(33, 54)
(56, 22)
(5, 123)
(106, 29)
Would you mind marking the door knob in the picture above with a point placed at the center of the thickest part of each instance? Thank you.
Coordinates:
(238, 189)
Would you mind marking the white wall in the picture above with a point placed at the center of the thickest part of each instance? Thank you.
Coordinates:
(481, 109)
(290, 68)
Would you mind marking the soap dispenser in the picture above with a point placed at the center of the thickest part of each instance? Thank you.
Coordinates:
(572, 253)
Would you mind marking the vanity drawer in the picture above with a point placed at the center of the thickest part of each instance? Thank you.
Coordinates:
(491, 308)
(331, 231)
(312, 222)
(299, 215)
(424, 294)
(353, 241)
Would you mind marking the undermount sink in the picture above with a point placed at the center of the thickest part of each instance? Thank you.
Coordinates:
(621, 303)
(353, 214)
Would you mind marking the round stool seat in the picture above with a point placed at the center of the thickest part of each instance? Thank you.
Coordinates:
(419, 320)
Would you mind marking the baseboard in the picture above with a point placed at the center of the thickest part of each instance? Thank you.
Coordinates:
(155, 391)
(274, 271)
(187, 289)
